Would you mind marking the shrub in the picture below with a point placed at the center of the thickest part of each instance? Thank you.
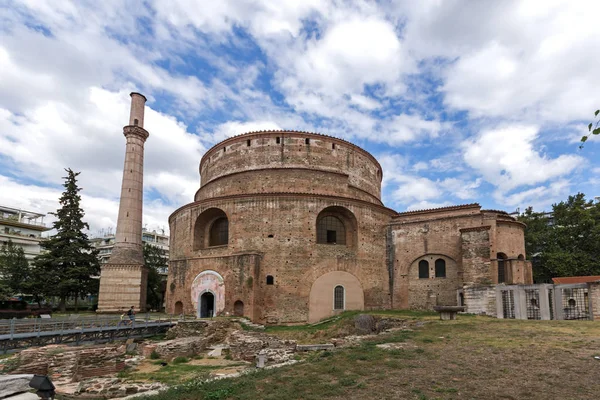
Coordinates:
(180, 360)
(154, 355)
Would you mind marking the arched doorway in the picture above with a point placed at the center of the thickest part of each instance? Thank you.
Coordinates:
(208, 282)
(207, 305)
(178, 308)
(238, 308)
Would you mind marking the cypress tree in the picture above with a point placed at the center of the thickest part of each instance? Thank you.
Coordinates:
(69, 266)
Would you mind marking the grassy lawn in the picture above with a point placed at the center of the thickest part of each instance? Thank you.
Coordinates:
(470, 358)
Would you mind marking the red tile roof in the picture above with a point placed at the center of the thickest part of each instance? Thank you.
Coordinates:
(575, 279)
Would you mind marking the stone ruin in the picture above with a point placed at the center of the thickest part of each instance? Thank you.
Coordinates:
(85, 371)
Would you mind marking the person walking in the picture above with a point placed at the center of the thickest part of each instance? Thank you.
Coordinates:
(131, 315)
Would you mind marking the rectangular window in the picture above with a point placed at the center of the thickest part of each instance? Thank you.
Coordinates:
(248, 143)
(278, 140)
(331, 237)
(333, 146)
(307, 141)
(338, 298)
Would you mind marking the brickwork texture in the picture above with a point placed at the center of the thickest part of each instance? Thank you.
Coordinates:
(289, 227)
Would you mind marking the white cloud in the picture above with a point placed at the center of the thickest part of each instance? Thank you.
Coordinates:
(406, 128)
(512, 59)
(234, 128)
(462, 189)
(426, 205)
(100, 213)
(420, 166)
(506, 157)
(416, 188)
(540, 197)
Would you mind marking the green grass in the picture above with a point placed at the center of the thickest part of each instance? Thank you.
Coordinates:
(470, 357)
(171, 374)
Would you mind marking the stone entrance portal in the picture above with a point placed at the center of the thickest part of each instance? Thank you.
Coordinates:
(207, 305)
(208, 294)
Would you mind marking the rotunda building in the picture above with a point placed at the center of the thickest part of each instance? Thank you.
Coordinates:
(289, 227)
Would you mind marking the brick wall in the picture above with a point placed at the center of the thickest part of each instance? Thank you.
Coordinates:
(71, 364)
(234, 155)
(291, 255)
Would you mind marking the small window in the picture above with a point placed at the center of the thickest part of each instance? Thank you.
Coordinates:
(224, 149)
(248, 142)
(338, 298)
(572, 303)
(333, 146)
(307, 141)
(440, 268)
(270, 280)
(423, 269)
(135, 122)
(278, 140)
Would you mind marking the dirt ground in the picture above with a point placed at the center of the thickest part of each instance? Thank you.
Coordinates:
(470, 358)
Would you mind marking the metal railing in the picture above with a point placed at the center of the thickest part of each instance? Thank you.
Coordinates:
(15, 328)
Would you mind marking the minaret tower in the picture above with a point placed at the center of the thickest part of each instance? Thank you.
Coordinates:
(124, 278)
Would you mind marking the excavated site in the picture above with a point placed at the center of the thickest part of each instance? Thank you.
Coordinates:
(192, 350)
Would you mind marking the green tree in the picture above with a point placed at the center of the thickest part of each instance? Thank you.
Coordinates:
(592, 128)
(567, 245)
(69, 265)
(155, 259)
(14, 268)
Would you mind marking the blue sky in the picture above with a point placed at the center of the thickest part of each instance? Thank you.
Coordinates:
(460, 101)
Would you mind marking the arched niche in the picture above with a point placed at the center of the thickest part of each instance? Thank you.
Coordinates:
(211, 229)
(208, 282)
(322, 295)
(336, 225)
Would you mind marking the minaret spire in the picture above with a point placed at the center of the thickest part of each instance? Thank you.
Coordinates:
(123, 279)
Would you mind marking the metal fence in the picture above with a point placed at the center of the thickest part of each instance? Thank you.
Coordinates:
(544, 302)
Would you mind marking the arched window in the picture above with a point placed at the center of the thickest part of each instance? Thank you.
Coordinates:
(331, 230)
(440, 268)
(338, 298)
(423, 269)
(270, 280)
(501, 268)
(219, 232)
(521, 257)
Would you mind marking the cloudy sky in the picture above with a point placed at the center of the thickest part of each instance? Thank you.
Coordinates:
(461, 101)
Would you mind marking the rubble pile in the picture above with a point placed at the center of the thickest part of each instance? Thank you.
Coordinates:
(246, 345)
(114, 387)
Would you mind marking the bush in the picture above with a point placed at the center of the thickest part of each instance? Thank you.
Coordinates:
(180, 360)
(154, 355)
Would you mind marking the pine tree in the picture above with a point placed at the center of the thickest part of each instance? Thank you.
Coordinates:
(14, 268)
(154, 259)
(69, 266)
